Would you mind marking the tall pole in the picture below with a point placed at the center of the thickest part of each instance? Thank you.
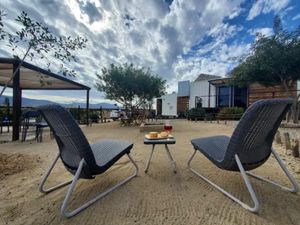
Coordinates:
(17, 102)
(87, 106)
(208, 95)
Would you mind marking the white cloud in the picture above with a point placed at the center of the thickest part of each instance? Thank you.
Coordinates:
(152, 35)
(296, 17)
(266, 31)
(266, 6)
(220, 61)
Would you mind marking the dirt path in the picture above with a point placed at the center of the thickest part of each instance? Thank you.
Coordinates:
(159, 197)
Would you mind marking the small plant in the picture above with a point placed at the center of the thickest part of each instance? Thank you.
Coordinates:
(94, 117)
(232, 113)
(196, 113)
(75, 112)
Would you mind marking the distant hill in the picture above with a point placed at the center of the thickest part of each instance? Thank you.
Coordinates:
(28, 102)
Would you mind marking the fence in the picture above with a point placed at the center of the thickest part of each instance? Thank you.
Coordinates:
(96, 115)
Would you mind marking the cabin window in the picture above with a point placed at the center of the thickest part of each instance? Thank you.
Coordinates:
(232, 97)
(240, 97)
(224, 96)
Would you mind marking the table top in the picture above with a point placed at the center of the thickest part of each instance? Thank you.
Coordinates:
(168, 141)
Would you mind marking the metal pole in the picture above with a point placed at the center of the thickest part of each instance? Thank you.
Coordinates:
(208, 95)
(17, 102)
(87, 106)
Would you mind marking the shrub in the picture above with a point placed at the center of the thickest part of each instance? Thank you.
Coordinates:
(75, 113)
(94, 116)
(211, 113)
(196, 113)
(5, 112)
(232, 113)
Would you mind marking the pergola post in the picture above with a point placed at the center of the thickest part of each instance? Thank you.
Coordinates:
(87, 106)
(17, 103)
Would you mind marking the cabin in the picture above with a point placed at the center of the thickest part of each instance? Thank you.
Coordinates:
(166, 105)
(211, 91)
(232, 96)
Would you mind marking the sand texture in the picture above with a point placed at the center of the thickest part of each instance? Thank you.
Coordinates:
(158, 197)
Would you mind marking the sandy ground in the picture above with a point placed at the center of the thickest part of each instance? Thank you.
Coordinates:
(159, 197)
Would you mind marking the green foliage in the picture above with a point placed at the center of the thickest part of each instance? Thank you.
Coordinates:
(196, 113)
(94, 116)
(79, 115)
(130, 85)
(76, 113)
(273, 60)
(2, 32)
(5, 112)
(40, 42)
(277, 25)
(230, 113)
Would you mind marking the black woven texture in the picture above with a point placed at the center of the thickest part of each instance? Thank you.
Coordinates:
(251, 140)
(73, 145)
(169, 141)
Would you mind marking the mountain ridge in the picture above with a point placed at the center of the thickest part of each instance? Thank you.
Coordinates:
(29, 102)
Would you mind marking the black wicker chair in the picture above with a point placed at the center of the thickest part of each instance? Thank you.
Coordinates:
(249, 146)
(79, 157)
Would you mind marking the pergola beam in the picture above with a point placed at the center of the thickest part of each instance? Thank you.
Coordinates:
(33, 75)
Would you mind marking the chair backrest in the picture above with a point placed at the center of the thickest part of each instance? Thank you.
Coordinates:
(252, 139)
(73, 145)
(30, 114)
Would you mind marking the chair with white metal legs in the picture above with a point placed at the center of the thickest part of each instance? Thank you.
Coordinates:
(249, 147)
(79, 157)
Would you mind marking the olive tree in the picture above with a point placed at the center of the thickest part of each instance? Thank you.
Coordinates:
(273, 60)
(38, 41)
(130, 86)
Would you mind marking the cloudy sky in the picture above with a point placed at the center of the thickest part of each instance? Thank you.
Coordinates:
(177, 39)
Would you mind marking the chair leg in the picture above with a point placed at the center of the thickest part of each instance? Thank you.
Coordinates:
(24, 130)
(40, 135)
(41, 186)
(295, 186)
(171, 158)
(73, 184)
(150, 157)
(245, 178)
(90, 202)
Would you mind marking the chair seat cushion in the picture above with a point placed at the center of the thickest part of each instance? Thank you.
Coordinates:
(214, 148)
(107, 152)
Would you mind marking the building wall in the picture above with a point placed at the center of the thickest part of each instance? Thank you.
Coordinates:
(201, 89)
(183, 88)
(257, 92)
(182, 104)
(169, 105)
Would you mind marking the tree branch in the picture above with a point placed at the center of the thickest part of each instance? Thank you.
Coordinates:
(19, 66)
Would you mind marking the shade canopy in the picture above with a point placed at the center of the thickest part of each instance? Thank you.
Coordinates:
(33, 77)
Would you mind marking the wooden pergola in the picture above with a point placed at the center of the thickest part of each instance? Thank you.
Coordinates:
(31, 77)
